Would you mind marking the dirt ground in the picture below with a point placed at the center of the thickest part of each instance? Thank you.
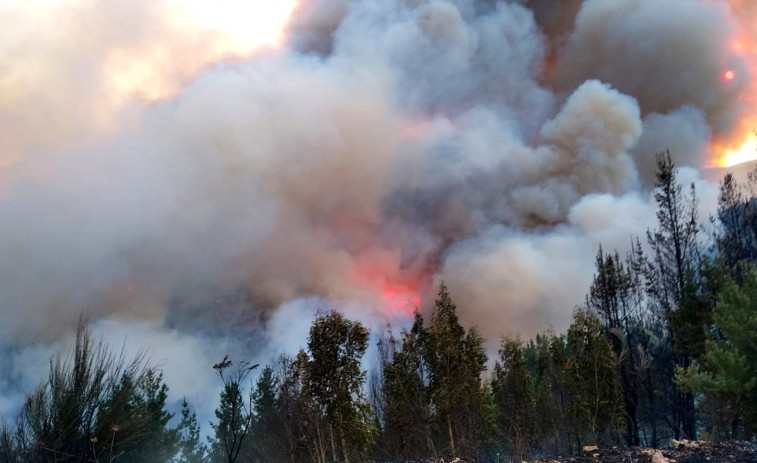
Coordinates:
(679, 452)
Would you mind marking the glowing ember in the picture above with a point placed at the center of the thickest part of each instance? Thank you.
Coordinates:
(729, 75)
(400, 299)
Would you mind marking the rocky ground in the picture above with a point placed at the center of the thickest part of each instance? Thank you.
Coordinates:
(679, 452)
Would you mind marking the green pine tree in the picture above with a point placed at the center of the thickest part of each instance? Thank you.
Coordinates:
(407, 415)
(191, 448)
(727, 371)
(234, 417)
(550, 394)
(592, 380)
(673, 281)
(334, 379)
(95, 405)
(455, 360)
(265, 432)
(512, 387)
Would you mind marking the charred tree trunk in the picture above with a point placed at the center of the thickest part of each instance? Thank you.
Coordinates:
(333, 443)
(344, 449)
(451, 436)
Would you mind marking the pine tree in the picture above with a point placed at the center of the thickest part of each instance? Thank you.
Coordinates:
(234, 418)
(551, 392)
(153, 441)
(407, 415)
(265, 433)
(512, 388)
(92, 406)
(727, 372)
(736, 236)
(592, 380)
(456, 360)
(673, 280)
(191, 448)
(611, 297)
(334, 379)
(299, 419)
(674, 243)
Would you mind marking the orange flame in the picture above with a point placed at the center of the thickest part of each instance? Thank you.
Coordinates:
(740, 145)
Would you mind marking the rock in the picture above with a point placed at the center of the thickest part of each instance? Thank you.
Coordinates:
(679, 452)
(685, 444)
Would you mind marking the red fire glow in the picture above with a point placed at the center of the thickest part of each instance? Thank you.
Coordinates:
(398, 292)
(400, 299)
(423, 127)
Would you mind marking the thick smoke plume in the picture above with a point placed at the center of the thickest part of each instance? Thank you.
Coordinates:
(162, 183)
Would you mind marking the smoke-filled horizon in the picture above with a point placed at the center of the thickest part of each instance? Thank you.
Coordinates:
(170, 184)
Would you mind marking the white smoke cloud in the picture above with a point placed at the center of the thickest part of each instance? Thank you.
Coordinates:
(249, 178)
(683, 132)
(667, 54)
(386, 143)
(507, 282)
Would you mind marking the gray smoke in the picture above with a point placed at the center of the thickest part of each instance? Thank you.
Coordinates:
(390, 142)
(666, 54)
